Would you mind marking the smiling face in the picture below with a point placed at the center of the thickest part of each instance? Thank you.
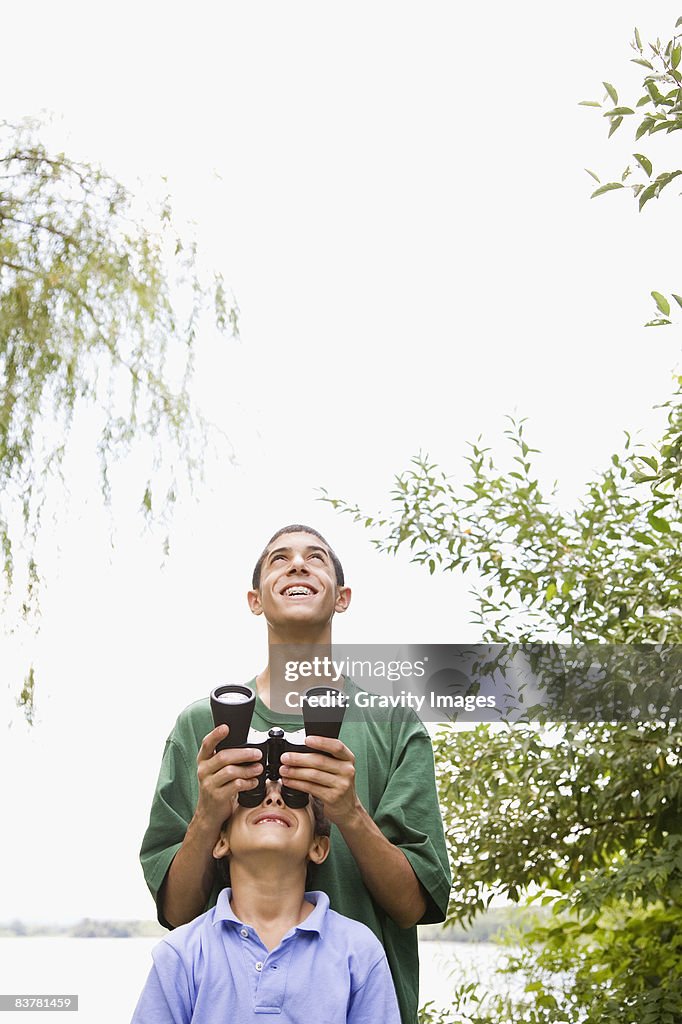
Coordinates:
(298, 586)
(272, 830)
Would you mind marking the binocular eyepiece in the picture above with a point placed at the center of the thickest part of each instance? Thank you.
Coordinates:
(233, 705)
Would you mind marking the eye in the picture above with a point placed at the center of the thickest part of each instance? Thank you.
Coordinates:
(318, 554)
(276, 557)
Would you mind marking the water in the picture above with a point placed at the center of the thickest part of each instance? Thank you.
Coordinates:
(108, 974)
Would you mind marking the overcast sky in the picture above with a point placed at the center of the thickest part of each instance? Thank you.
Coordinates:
(396, 196)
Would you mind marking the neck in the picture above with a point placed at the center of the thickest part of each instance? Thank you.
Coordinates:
(266, 897)
(319, 639)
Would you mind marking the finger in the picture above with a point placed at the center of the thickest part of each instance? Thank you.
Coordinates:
(321, 761)
(211, 741)
(306, 776)
(236, 772)
(234, 755)
(323, 793)
(336, 748)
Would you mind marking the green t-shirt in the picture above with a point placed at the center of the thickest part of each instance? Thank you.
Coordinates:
(394, 780)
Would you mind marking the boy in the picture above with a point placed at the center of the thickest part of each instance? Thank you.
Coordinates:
(268, 947)
(388, 866)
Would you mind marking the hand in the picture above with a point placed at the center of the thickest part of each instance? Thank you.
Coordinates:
(222, 777)
(332, 779)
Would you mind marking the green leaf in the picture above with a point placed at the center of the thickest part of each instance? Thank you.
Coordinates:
(643, 538)
(661, 302)
(551, 591)
(611, 91)
(615, 125)
(619, 110)
(644, 127)
(675, 56)
(647, 194)
(644, 162)
(592, 173)
(677, 298)
(607, 188)
(589, 103)
(657, 323)
(643, 62)
(638, 40)
(660, 525)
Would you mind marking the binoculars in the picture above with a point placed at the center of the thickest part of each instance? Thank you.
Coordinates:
(232, 705)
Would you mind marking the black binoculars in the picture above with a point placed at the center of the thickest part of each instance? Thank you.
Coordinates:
(232, 705)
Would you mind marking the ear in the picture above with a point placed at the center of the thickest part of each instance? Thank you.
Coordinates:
(255, 604)
(343, 595)
(222, 847)
(319, 849)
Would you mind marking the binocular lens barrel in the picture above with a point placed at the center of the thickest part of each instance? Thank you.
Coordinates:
(323, 711)
(233, 705)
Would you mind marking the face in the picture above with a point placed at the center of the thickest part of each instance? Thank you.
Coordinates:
(298, 583)
(273, 826)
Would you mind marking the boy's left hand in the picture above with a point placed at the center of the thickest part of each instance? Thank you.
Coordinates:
(332, 779)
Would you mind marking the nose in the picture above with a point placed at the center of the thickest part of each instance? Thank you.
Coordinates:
(273, 793)
(297, 563)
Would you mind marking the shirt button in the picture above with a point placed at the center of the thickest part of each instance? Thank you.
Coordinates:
(259, 966)
(244, 933)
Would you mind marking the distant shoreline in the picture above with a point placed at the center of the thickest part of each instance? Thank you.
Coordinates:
(488, 927)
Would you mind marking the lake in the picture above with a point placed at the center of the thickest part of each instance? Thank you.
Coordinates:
(108, 974)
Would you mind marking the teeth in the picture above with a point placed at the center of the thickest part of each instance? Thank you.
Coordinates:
(290, 591)
(277, 821)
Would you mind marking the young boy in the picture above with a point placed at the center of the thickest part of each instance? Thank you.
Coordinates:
(269, 949)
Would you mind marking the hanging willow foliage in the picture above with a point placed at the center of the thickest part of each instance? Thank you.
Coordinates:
(90, 301)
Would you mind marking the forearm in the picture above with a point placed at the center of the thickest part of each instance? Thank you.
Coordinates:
(385, 870)
(190, 878)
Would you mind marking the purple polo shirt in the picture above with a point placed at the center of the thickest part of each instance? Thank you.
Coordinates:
(328, 969)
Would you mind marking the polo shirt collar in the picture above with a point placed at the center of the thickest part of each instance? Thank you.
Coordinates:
(313, 923)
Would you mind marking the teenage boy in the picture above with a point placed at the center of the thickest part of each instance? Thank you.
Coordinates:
(268, 946)
(388, 866)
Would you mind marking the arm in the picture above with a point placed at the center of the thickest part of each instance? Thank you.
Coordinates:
(375, 1000)
(165, 998)
(189, 880)
(385, 870)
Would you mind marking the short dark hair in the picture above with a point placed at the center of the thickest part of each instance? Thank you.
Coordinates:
(322, 826)
(298, 528)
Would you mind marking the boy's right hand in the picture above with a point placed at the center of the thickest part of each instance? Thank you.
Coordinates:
(222, 777)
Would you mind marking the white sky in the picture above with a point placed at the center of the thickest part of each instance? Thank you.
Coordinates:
(403, 216)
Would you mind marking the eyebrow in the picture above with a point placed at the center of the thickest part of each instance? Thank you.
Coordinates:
(309, 549)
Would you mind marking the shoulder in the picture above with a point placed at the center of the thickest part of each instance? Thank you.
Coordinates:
(354, 935)
(184, 943)
(372, 725)
(192, 724)
(377, 712)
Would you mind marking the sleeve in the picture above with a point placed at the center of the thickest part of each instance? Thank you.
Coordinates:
(171, 812)
(166, 997)
(375, 1000)
(409, 815)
